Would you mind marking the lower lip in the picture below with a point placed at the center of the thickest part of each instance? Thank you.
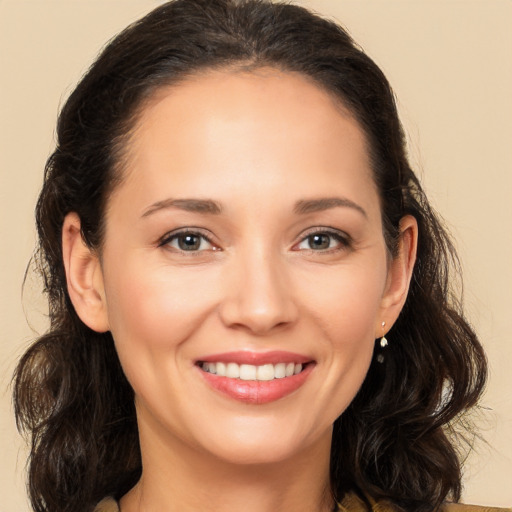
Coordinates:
(257, 391)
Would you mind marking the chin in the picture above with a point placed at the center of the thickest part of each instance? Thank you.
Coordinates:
(256, 454)
(260, 445)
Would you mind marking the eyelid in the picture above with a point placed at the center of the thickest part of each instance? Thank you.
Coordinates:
(341, 236)
(171, 235)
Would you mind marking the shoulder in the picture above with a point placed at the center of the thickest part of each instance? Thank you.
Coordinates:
(460, 507)
(107, 505)
(352, 503)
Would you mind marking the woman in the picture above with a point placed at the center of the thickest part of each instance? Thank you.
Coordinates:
(249, 293)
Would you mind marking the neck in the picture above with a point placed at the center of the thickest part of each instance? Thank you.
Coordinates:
(178, 477)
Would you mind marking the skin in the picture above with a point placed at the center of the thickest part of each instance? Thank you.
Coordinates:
(257, 144)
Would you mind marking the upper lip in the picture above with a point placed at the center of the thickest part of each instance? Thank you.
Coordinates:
(256, 358)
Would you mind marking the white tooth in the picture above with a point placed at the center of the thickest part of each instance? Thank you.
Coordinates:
(247, 372)
(265, 372)
(280, 370)
(221, 369)
(232, 371)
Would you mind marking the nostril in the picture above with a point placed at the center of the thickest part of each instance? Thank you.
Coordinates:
(243, 315)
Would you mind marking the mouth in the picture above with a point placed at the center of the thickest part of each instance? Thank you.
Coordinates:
(255, 383)
(264, 372)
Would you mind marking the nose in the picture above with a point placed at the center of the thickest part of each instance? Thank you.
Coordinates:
(258, 295)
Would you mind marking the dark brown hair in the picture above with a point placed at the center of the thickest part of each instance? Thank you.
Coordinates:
(395, 440)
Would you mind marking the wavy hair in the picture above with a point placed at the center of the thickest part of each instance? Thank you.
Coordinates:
(71, 397)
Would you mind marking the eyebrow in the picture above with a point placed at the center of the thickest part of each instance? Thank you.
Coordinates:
(325, 203)
(189, 205)
(209, 206)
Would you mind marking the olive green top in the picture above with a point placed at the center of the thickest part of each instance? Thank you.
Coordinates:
(350, 504)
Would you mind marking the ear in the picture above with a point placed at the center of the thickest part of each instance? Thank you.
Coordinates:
(399, 275)
(84, 276)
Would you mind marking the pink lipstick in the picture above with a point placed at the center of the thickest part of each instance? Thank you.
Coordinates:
(255, 378)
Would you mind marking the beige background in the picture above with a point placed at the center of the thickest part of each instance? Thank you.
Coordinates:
(450, 63)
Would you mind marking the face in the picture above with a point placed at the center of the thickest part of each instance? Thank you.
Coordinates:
(244, 270)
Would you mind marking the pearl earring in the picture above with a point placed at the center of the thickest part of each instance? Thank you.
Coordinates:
(383, 340)
(383, 344)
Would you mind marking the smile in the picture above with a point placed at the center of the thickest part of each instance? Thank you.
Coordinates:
(255, 378)
(265, 372)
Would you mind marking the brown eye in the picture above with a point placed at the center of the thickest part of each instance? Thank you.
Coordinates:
(188, 241)
(320, 241)
(323, 241)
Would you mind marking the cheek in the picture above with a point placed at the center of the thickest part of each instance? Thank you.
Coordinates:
(346, 306)
(152, 316)
(347, 301)
(154, 310)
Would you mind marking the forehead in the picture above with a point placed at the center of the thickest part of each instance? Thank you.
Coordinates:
(249, 129)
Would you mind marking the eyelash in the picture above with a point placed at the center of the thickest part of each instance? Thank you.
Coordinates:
(176, 235)
(343, 240)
